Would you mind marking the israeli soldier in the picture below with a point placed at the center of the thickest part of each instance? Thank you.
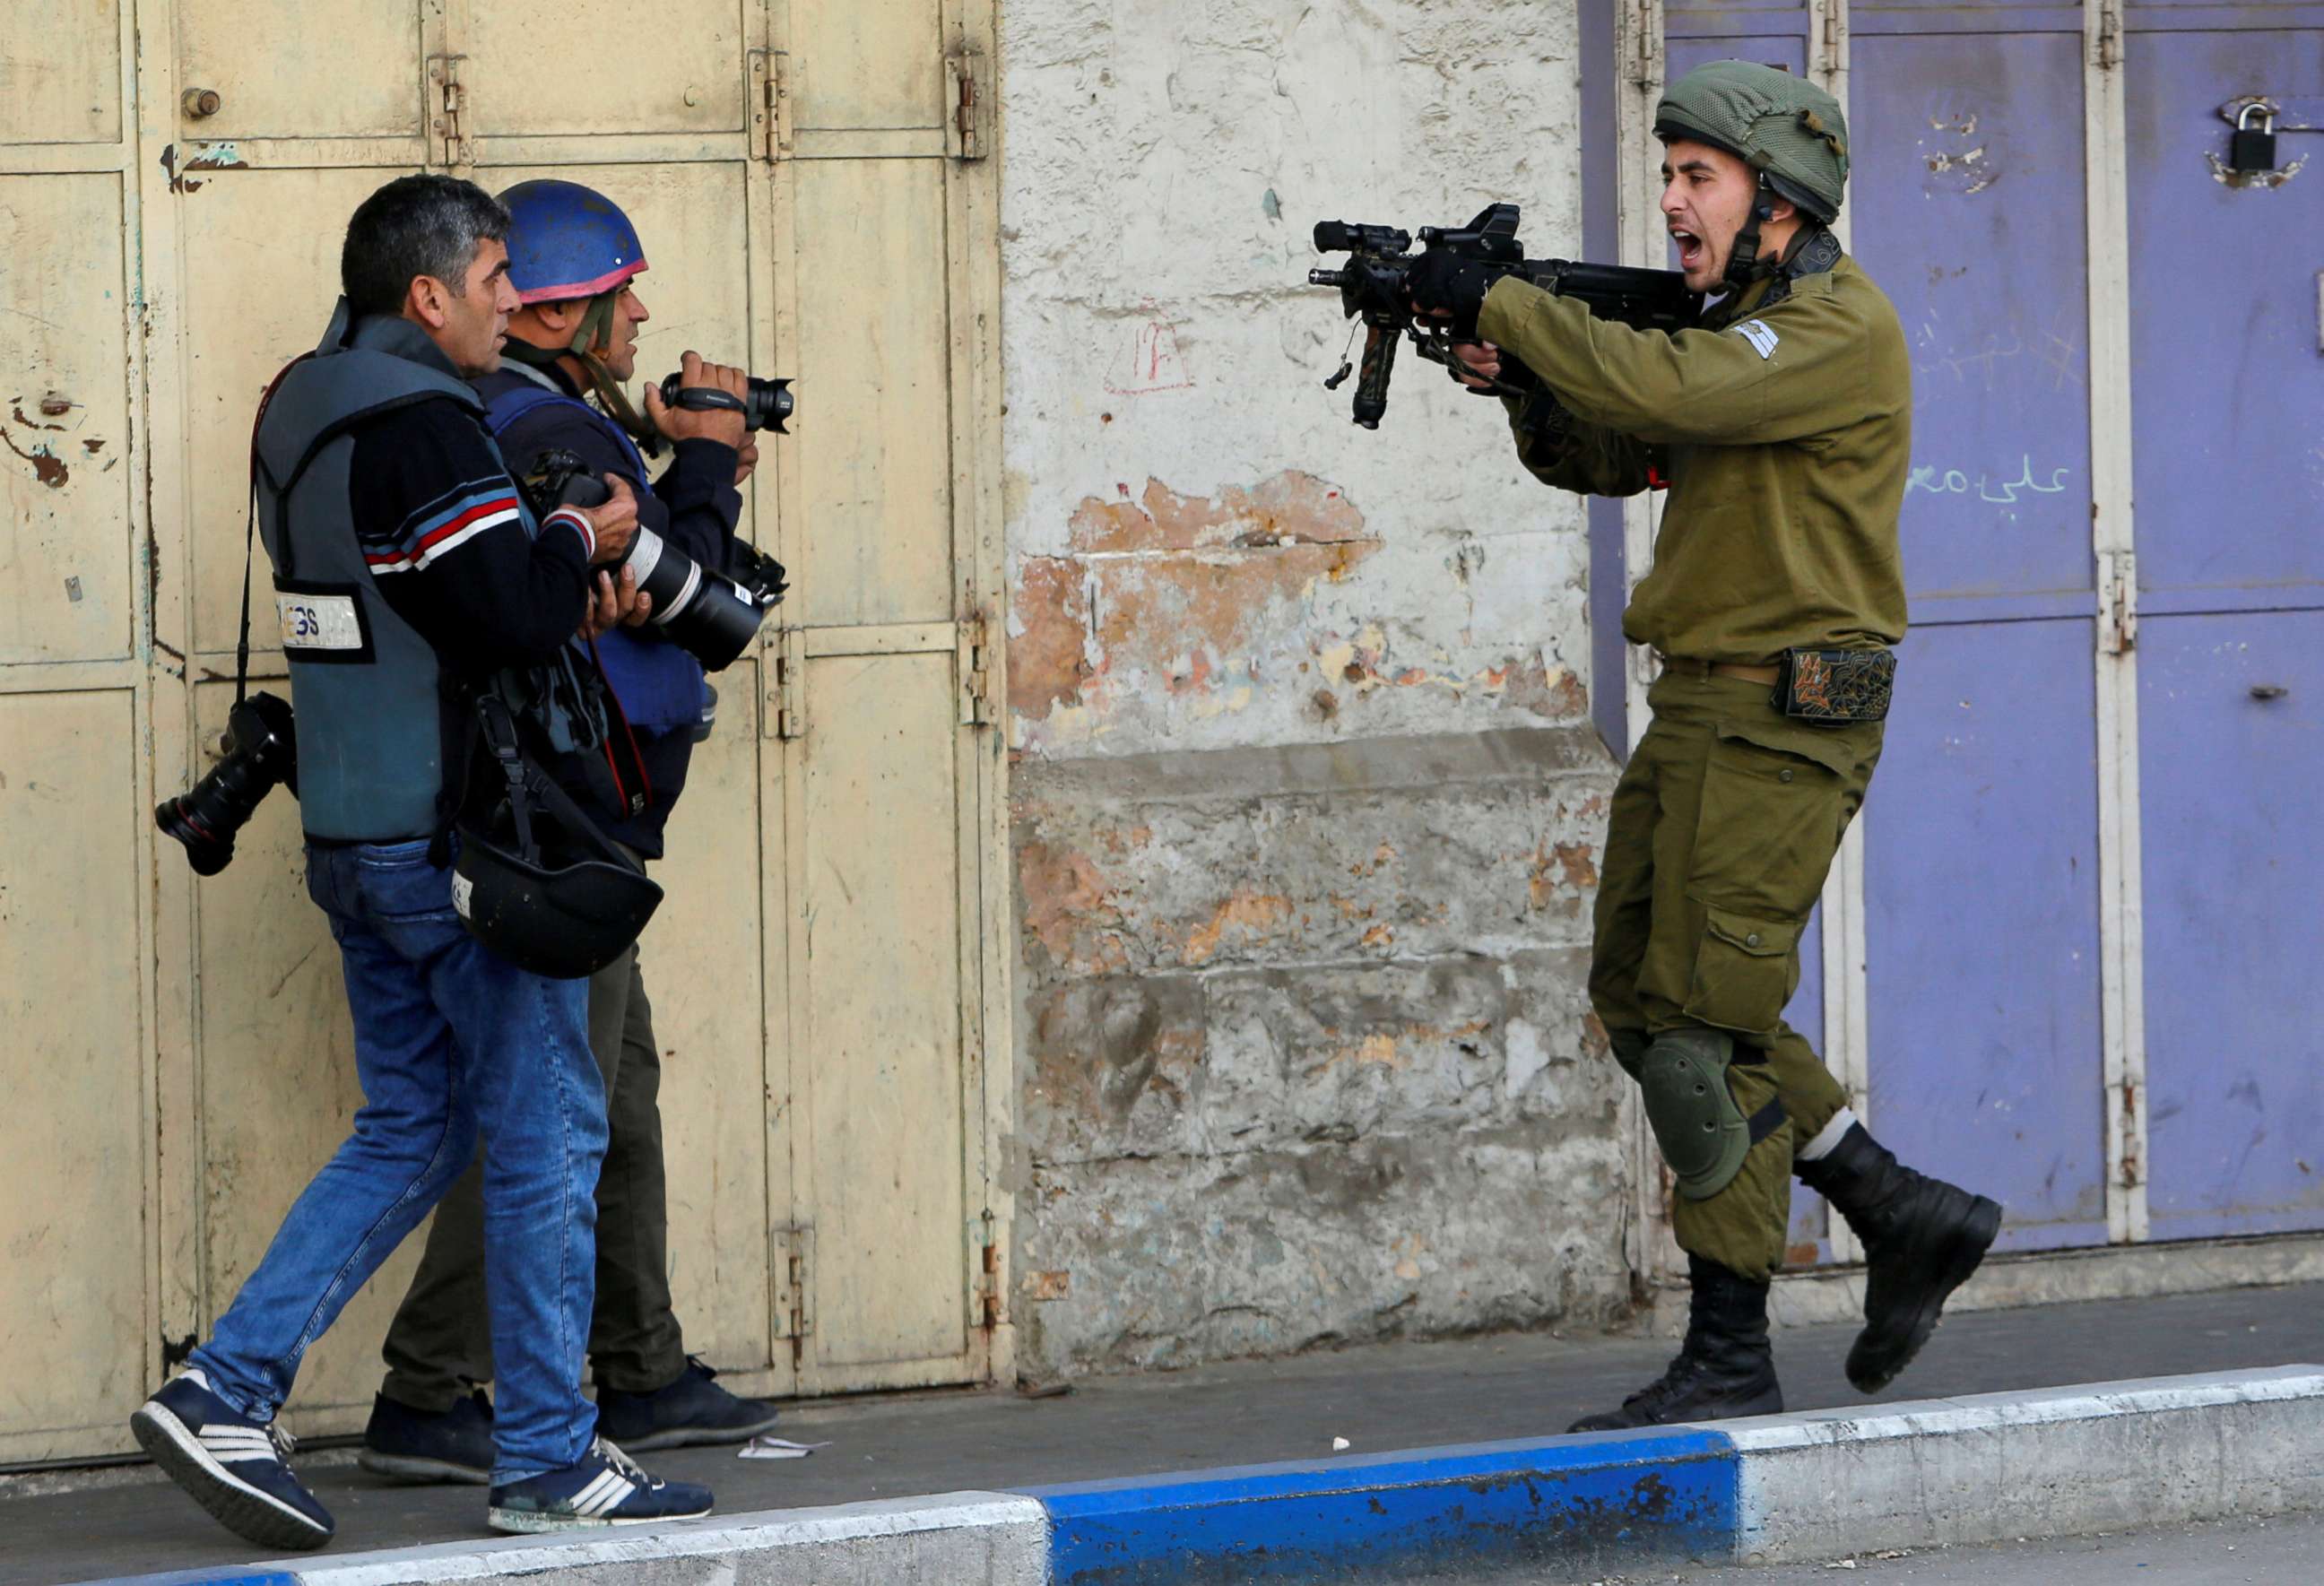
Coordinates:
(1781, 425)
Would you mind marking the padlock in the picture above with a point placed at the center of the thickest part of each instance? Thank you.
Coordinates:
(2253, 151)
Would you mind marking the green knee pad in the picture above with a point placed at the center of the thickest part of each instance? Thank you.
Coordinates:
(1704, 1134)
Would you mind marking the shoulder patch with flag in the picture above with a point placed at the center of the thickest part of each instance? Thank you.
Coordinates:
(1762, 339)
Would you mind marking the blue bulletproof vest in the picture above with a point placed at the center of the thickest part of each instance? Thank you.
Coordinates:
(365, 684)
(660, 686)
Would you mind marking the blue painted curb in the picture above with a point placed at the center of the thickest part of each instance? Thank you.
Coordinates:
(1566, 1501)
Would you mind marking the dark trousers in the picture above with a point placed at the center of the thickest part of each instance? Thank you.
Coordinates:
(439, 1342)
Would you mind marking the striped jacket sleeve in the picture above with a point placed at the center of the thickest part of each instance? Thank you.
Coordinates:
(443, 535)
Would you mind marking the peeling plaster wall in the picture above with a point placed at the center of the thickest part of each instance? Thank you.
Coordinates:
(1307, 808)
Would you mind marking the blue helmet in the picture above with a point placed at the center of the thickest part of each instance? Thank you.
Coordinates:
(568, 241)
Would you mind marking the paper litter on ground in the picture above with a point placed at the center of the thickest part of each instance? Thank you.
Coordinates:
(777, 1448)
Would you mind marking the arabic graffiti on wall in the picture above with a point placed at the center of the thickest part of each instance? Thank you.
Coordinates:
(1954, 482)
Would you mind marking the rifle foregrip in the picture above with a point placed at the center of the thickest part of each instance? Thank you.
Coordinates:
(1371, 382)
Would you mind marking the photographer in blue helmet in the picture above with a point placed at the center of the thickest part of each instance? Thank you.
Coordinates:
(573, 258)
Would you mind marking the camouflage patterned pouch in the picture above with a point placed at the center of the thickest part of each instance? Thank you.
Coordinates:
(1835, 688)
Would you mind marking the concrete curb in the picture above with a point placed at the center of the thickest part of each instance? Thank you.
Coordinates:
(972, 1538)
(1995, 1466)
(1992, 1466)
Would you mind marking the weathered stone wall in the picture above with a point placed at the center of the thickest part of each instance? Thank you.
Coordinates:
(1306, 807)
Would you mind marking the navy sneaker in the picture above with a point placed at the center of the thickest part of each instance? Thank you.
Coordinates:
(605, 1489)
(416, 1446)
(693, 1410)
(229, 1465)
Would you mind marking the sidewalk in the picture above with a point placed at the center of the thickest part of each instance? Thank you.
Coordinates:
(1380, 1399)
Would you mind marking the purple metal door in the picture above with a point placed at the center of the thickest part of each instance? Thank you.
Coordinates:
(2227, 415)
(1775, 35)
(1982, 886)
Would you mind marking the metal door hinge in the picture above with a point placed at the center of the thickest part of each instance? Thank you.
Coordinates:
(2109, 32)
(792, 1250)
(2117, 602)
(986, 1302)
(448, 143)
(787, 711)
(968, 104)
(1643, 50)
(771, 104)
(975, 676)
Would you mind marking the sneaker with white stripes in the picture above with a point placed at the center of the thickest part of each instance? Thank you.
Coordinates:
(605, 1489)
(229, 1465)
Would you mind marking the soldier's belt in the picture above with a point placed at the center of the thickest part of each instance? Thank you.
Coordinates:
(1835, 688)
(1824, 687)
(1688, 667)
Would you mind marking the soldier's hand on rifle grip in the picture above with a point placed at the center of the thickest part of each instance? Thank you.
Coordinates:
(1482, 356)
(1446, 286)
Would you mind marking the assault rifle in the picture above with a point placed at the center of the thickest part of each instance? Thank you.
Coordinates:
(1372, 286)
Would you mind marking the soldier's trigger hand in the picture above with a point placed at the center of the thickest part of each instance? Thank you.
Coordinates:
(1442, 283)
(1482, 360)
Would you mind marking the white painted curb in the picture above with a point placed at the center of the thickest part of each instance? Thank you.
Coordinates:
(1999, 1466)
(968, 1539)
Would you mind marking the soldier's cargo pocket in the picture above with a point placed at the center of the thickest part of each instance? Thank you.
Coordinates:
(1745, 970)
(1770, 822)
(1773, 797)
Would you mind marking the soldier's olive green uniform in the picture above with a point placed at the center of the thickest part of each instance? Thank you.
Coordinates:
(1783, 426)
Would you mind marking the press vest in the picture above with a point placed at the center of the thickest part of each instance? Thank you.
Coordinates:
(366, 687)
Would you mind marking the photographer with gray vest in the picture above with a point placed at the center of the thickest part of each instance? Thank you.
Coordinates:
(573, 259)
(416, 588)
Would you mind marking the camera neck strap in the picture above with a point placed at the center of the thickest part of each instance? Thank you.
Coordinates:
(531, 788)
(596, 324)
(498, 725)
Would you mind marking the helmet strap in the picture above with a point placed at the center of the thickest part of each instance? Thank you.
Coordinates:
(596, 326)
(1743, 265)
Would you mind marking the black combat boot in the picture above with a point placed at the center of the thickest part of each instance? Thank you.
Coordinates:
(1724, 1368)
(1922, 1239)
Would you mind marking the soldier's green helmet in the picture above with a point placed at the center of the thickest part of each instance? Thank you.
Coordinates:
(1790, 130)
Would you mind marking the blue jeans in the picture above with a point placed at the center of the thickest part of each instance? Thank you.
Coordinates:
(449, 1038)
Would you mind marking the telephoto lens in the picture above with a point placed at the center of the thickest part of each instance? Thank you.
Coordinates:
(765, 403)
(709, 615)
(261, 750)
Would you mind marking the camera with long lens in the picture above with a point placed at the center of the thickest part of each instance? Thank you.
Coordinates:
(261, 750)
(712, 614)
(764, 403)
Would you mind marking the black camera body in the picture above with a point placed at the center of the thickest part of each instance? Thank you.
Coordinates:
(260, 749)
(712, 614)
